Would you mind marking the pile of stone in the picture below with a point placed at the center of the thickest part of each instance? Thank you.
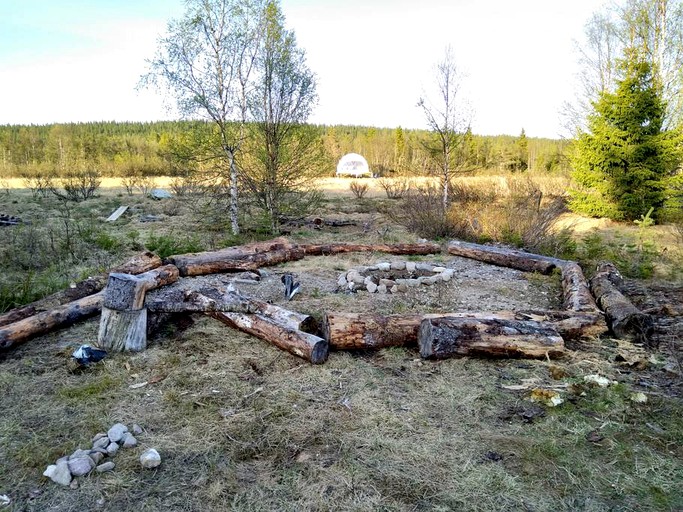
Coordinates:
(82, 462)
(400, 275)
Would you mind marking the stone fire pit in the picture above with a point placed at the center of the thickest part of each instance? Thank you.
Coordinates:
(393, 277)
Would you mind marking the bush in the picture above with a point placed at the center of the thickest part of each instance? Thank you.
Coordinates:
(79, 185)
(359, 189)
(395, 188)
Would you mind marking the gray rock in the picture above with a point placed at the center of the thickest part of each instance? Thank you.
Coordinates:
(81, 465)
(402, 288)
(96, 456)
(342, 280)
(113, 448)
(116, 432)
(99, 449)
(426, 280)
(354, 277)
(137, 429)
(382, 288)
(59, 473)
(384, 266)
(413, 283)
(387, 282)
(62, 459)
(150, 458)
(129, 440)
(368, 279)
(160, 193)
(74, 484)
(79, 454)
(394, 289)
(99, 436)
(102, 442)
(425, 267)
(438, 269)
(410, 266)
(398, 265)
(371, 287)
(107, 466)
(150, 218)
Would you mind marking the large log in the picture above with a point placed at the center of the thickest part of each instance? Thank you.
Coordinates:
(211, 300)
(441, 338)
(136, 265)
(240, 257)
(577, 294)
(123, 324)
(328, 249)
(16, 333)
(301, 344)
(347, 331)
(623, 318)
(505, 257)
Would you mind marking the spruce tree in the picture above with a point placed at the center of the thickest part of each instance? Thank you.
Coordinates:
(621, 164)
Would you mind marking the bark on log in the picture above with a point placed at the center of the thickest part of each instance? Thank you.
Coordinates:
(328, 249)
(504, 257)
(623, 318)
(207, 301)
(241, 257)
(441, 338)
(348, 331)
(123, 324)
(16, 333)
(577, 294)
(301, 344)
(136, 265)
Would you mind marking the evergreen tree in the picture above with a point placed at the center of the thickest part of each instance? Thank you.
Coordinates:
(623, 162)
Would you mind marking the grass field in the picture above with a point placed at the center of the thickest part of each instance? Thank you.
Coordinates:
(241, 425)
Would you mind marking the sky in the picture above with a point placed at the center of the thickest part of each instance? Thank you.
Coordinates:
(80, 60)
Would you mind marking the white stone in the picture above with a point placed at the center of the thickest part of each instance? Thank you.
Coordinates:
(98, 436)
(342, 280)
(59, 473)
(371, 287)
(426, 280)
(438, 269)
(446, 277)
(367, 280)
(150, 458)
(394, 289)
(382, 288)
(425, 267)
(116, 432)
(384, 266)
(413, 283)
(410, 266)
(398, 265)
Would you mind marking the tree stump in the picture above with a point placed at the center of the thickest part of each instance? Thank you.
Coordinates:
(123, 324)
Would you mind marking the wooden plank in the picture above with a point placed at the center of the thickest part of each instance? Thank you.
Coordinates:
(119, 211)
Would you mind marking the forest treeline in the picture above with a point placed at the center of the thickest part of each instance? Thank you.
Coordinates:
(151, 149)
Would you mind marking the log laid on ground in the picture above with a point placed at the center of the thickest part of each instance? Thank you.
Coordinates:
(301, 344)
(577, 294)
(136, 265)
(16, 333)
(348, 331)
(505, 257)
(123, 325)
(241, 257)
(440, 338)
(328, 249)
(623, 318)
(208, 300)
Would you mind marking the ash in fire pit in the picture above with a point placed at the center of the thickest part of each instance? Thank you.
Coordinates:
(393, 277)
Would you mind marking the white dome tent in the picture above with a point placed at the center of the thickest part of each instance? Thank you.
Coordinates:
(354, 165)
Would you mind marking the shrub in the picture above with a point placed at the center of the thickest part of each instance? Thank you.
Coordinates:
(79, 185)
(359, 189)
(395, 188)
(167, 245)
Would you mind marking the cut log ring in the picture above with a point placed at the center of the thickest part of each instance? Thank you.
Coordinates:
(393, 277)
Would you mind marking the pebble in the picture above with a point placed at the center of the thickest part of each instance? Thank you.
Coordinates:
(107, 466)
(411, 266)
(384, 266)
(371, 287)
(113, 448)
(150, 458)
(137, 429)
(102, 442)
(116, 432)
(59, 473)
(398, 265)
(96, 456)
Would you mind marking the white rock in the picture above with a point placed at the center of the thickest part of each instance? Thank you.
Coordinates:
(150, 458)
(98, 437)
(410, 266)
(113, 448)
(129, 440)
(371, 287)
(639, 398)
(384, 266)
(107, 466)
(413, 282)
(59, 473)
(425, 267)
(398, 265)
(81, 466)
(446, 277)
(102, 442)
(394, 289)
(116, 432)
(382, 288)
(438, 269)
(79, 454)
(597, 380)
(368, 279)
(340, 282)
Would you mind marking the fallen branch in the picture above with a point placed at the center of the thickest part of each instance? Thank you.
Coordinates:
(505, 257)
